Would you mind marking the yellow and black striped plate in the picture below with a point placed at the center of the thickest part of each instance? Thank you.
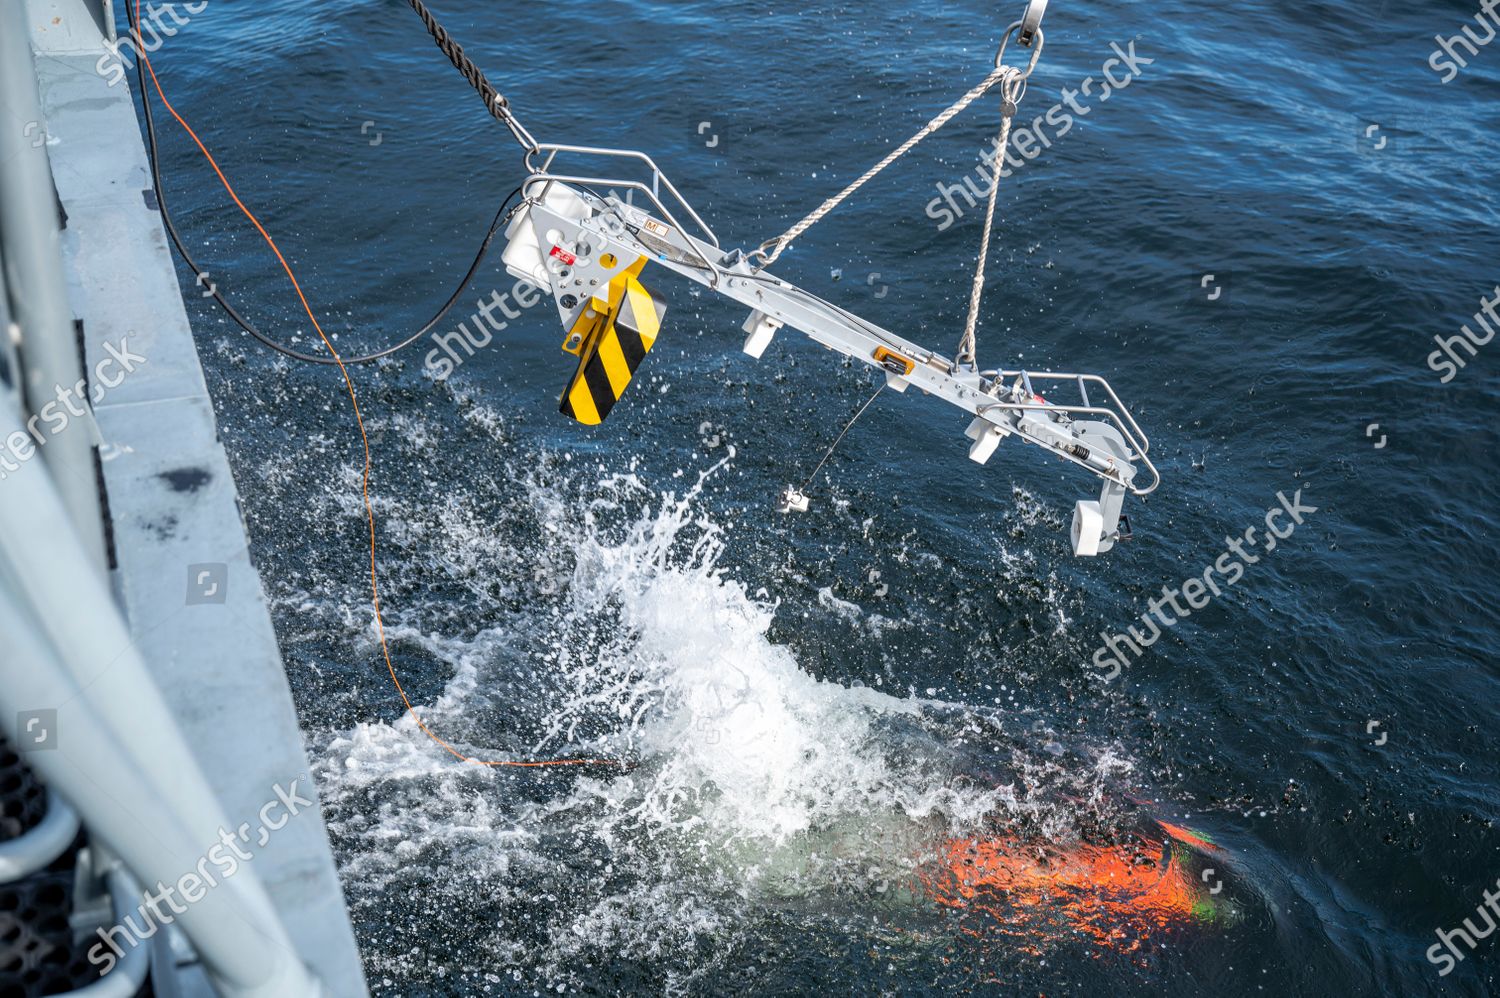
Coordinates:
(611, 345)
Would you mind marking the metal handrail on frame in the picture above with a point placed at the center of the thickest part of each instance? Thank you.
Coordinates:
(659, 180)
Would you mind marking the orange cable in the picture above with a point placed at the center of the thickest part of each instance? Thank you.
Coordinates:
(349, 384)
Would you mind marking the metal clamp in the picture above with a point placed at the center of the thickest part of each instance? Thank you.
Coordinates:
(1031, 23)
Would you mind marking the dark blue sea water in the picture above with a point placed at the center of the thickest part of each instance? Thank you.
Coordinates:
(835, 719)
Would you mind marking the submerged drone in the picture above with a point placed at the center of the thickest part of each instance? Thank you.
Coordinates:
(590, 250)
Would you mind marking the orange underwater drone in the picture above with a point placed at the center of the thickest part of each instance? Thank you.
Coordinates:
(1118, 894)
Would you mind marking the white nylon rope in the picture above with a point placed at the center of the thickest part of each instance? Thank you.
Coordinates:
(1012, 91)
(769, 251)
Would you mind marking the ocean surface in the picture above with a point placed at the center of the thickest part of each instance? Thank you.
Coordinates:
(871, 750)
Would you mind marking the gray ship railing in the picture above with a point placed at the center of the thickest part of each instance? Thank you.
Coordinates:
(67, 652)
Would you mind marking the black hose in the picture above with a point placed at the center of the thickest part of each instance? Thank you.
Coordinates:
(241, 321)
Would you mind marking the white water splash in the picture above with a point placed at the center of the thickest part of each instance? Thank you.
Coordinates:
(751, 774)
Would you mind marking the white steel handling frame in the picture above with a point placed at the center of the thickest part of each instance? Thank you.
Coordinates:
(572, 239)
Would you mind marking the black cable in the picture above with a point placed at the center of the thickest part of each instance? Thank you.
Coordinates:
(874, 331)
(166, 217)
(807, 296)
(840, 438)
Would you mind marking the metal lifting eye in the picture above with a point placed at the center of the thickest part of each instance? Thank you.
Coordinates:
(1036, 49)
